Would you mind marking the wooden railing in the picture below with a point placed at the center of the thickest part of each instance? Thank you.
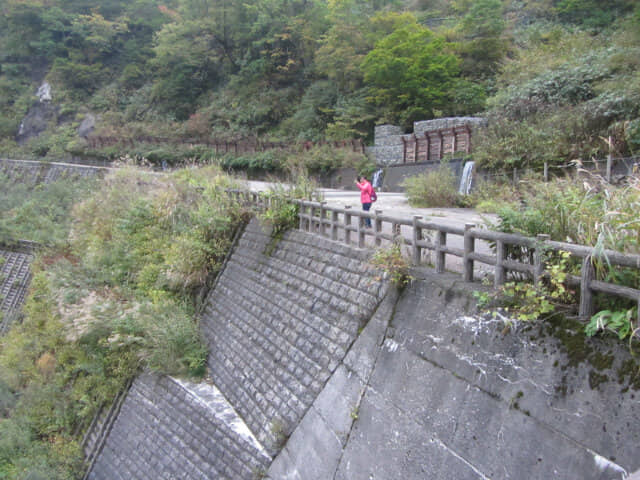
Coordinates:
(419, 236)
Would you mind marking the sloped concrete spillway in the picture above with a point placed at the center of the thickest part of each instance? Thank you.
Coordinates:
(15, 276)
(331, 375)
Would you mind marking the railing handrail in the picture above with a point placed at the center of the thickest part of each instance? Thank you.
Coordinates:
(318, 217)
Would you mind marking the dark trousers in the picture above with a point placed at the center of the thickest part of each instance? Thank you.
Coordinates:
(366, 207)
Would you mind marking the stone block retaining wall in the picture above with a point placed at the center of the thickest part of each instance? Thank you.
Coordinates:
(279, 321)
(15, 276)
(170, 429)
(278, 325)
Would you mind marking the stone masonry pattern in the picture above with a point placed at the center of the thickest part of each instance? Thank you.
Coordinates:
(278, 325)
(15, 276)
(164, 432)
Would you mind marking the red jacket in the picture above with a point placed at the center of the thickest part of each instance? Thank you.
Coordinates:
(365, 191)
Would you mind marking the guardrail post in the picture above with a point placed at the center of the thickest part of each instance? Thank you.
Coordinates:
(301, 213)
(417, 237)
(312, 212)
(361, 231)
(586, 295)
(322, 214)
(538, 258)
(469, 245)
(334, 225)
(378, 228)
(441, 242)
(499, 274)
(347, 225)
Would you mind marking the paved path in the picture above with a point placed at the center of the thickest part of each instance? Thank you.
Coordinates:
(396, 204)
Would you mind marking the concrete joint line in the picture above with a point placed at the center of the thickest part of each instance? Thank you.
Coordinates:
(391, 296)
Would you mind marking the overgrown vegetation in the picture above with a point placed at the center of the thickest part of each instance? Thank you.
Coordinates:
(553, 76)
(391, 261)
(281, 214)
(39, 213)
(119, 297)
(585, 210)
(434, 188)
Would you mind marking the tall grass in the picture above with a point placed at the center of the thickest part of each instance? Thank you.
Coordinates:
(119, 297)
(39, 213)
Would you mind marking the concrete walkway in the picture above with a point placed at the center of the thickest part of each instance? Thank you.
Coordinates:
(393, 203)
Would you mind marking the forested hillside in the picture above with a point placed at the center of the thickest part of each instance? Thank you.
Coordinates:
(554, 77)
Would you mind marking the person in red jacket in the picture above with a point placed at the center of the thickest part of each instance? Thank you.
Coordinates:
(366, 190)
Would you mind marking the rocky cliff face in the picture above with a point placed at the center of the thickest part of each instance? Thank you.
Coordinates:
(40, 115)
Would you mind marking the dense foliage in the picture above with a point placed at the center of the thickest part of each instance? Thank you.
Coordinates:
(555, 75)
(118, 296)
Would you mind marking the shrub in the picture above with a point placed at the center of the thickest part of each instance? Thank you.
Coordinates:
(391, 261)
(39, 213)
(118, 300)
(435, 188)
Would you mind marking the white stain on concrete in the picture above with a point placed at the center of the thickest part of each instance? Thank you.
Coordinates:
(391, 345)
(603, 464)
(212, 399)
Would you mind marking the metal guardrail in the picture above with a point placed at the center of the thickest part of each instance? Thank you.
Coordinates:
(348, 226)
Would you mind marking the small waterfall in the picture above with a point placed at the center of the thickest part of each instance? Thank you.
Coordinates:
(376, 179)
(466, 178)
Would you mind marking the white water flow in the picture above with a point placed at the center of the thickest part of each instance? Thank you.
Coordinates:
(466, 178)
(376, 178)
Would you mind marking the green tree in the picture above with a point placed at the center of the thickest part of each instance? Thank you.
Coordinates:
(411, 74)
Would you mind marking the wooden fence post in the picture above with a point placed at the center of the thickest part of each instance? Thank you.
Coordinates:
(378, 227)
(586, 295)
(417, 236)
(347, 225)
(361, 231)
(334, 225)
(301, 214)
(395, 231)
(499, 274)
(469, 245)
(312, 212)
(441, 242)
(322, 215)
(546, 172)
(538, 258)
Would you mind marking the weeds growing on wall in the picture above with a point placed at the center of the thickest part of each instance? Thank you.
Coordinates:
(282, 215)
(394, 264)
(118, 299)
(591, 212)
(526, 301)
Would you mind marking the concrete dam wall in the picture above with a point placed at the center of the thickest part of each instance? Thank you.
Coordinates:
(320, 370)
